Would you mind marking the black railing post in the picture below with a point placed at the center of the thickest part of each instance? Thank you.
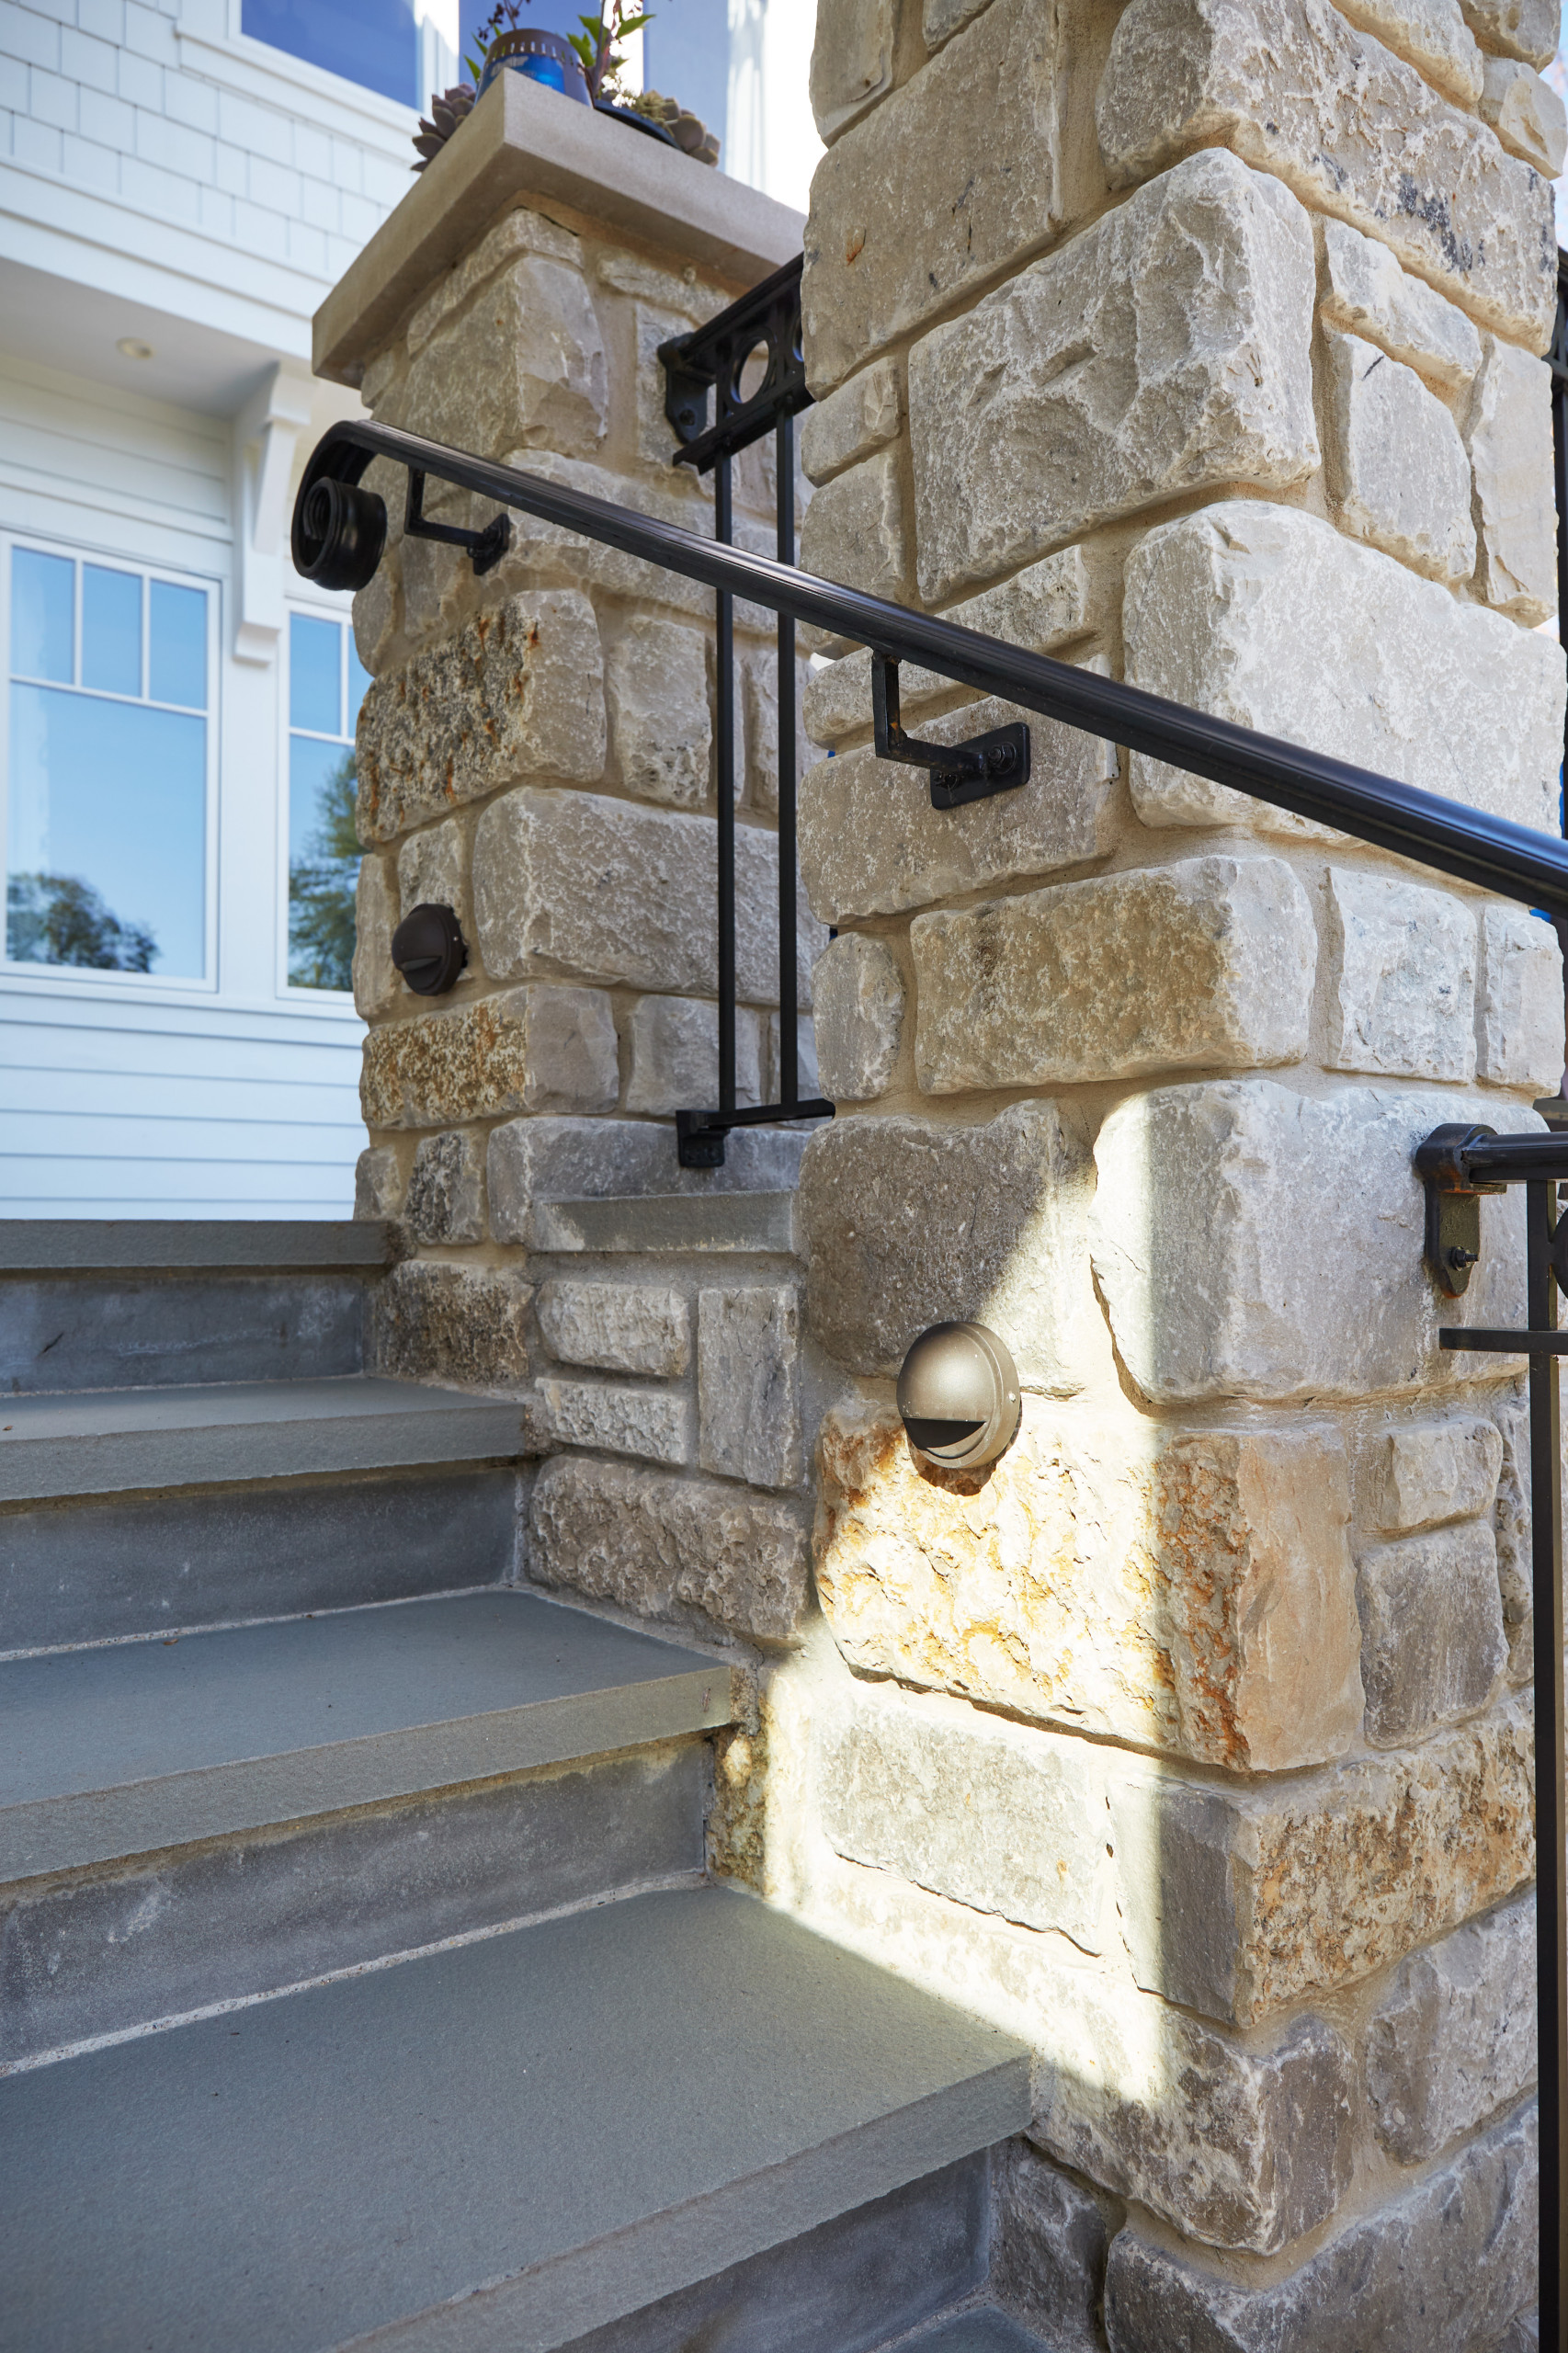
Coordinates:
(788, 1038)
(724, 704)
(1551, 1882)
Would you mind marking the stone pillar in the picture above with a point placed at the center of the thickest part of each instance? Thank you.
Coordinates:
(1191, 1740)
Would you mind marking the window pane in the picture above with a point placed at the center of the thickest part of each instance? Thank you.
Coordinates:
(107, 863)
(324, 864)
(315, 689)
(111, 630)
(373, 42)
(177, 670)
(43, 589)
(358, 684)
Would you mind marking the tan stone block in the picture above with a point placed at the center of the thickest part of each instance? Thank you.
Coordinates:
(1294, 89)
(378, 616)
(674, 1055)
(949, 180)
(860, 1016)
(855, 530)
(860, 417)
(518, 692)
(378, 983)
(1453, 2039)
(466, 1326)
(522, 366)
(519, 232)
(525, 1050)
(1510, 437)
(1367, 294)
(1430, 1471)
(446, 1189)
(378, 1183)
(748, 1374)
(1399, 965)
(1512, 1527)
(870, 842)
(758, 753)
(657, 690)
(1208, 962)
(681, 290)
(1432, 35)
(1271, 618)
(851, 60)
(432, 870)
(1397, 467)
(616, 1328)
(652, 1424)
(808, 1078)
(1433, 1643)
(1527, 114)
(1105, 376)
(1193, 1594)
(544, 551)
(1527, 28)
(1518, 1005)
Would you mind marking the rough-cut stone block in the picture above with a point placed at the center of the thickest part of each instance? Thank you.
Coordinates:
(518, 692)
(808, 1079)
(523, 365)
(1439, 2270)
(872, 844)
(1527, 28)
(907, 1223)
(1103, 380)
(1527, 114)
(539, 549)
(686, 1550)
(1509, 435)
(1231, 1268)
(432, 870)
(1367, 294)
(569, 1160)
(378, 1183)
(756, 760)
(1210, 1612)
(748, 1373)
(1454, 2038)
(656, 687)
(674, 1055)
(519, 232)
(1049, 2240)
(526, 1049)
(855, 532)
(1511, 1522)
(997, 1817)
(1294, 89)
(1519, 1019)
(376, 615)
(1205, 963)
(1433, 1643)
(1397, 466)
(851, 62)
(1273, 619)
(861, 416)
(949, 180)
(859, 999)
(1432, 1472)
(377, 981)
(654, 1424)
(575, 884)
(467, 1325)
(1400, 963)
(1433, 36)
(446, 1187)
(616, 1328)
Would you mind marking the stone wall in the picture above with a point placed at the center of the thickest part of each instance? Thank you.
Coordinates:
(1199, 343)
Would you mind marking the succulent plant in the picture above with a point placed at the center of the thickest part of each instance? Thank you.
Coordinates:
(447, 108)
(684, 128)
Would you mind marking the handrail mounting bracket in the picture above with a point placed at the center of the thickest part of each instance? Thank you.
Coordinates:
(973, 770)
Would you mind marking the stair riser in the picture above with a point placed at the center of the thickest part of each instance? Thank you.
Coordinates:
(95, 1953)
(125, 1332)
(95, 1572)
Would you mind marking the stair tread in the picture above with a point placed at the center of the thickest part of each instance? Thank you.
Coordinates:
(136, 1746)
(984, 2331)
(580, 2117)
(102, 1244)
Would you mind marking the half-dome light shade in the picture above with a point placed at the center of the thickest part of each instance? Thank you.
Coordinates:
(957, 1395)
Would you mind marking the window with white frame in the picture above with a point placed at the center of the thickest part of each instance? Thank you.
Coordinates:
(326, 686)
(110, 769)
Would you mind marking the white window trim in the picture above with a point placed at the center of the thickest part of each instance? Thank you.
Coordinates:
(291, 992)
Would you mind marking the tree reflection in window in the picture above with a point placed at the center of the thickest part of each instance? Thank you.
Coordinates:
(60, 919)
(321, 889)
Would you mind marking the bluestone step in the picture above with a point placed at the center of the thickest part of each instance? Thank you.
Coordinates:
(123, 1750)
(98, 1245)
(985, 2331)
(513, 2142)
(76, 1332)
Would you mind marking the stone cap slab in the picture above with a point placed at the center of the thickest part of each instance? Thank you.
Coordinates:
(522, 142)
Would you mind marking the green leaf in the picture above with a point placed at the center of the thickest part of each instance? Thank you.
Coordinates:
(583, 51)
(476, 72)
(634, 24)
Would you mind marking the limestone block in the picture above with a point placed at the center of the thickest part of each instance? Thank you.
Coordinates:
(378, 983)
(851, 62)
(454, 1324)
(446, 1187)
(808, 1081)
(1432, 1472)
(1049, 2240)
(684, 1550)
(855, 532)
(644, 280)
(1367, 293)
(1400, 966)
(377, 614)
(1433, 1643)
(1453, 2038)
(565, 1160)
(654, 1424)
(1511, 1526)
(1522, 2335)
(1433, 36)
(518, 692)
(1208, 961)
(1466, 2235)
(757, 760)
(949, 180)
(1112, 374)
(939, 20)
(546, 550)
(574, 882)
(861, 416)
(1273, 619)
(519, 232)
(1196, 1595)
(657, 690)
(616, 1328)
(432, 870)
(748, 1374)
(651, 325)
(860, 1016)
(1518, 1030)
(1509, 438)
(907, 1223)
(1236, 1263)
(378, 1183)
(1525, 28)
(870, 842)
(1397, 466)
(674, 1055)
(1294, 89)
(1527, 114)
(1000, 1818)
(522, 366)
(525, 1050)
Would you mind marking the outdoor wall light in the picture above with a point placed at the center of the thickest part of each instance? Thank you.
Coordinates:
(957, 1395)
(429, 949)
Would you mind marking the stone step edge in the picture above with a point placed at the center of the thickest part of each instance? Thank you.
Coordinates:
(125, 1245)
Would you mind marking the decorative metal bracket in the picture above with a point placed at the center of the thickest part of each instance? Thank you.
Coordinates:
(713, 360)
(998, 762)
(1453, 1203)
(700, 1135)
(485, 548)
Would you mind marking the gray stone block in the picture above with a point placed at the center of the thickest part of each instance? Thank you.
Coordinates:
(748, 1352)
(747, 1225)
(1433, 1642)
(437, 1321)
(530, 1161)
(654, 1424)
(85, 1331)
(446, 1189)
(1047, 2249)
(1453, 2039)
(616, 1328)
